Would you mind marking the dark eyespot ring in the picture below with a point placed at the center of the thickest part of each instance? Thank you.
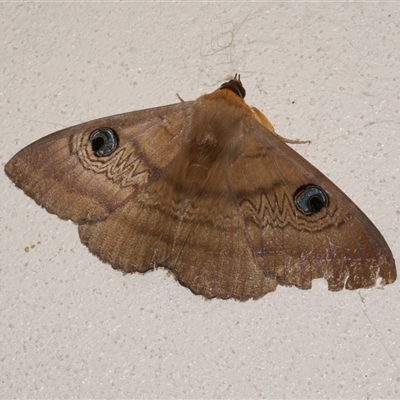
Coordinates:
(310, 199)
(104, 141)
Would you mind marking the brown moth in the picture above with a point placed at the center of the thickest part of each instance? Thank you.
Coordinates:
(207, 189)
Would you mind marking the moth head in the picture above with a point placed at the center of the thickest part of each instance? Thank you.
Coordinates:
(104, 141)
(235, 85)
(310, 199)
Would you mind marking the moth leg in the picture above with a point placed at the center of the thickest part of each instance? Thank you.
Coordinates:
(292, 141)
(180, 98)
(263, 120)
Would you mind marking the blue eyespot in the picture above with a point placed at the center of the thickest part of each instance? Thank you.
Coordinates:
(311, 199)
(104, 141)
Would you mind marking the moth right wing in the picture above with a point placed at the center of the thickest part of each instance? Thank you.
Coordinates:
(63, 173)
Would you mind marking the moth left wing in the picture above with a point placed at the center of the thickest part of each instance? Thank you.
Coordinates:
(299, 225)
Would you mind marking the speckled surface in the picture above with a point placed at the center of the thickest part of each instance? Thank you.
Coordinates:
(71, 326)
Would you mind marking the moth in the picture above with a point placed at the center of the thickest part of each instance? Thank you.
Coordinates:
(208, 190)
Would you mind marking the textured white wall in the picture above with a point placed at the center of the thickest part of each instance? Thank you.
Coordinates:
(73, 327)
